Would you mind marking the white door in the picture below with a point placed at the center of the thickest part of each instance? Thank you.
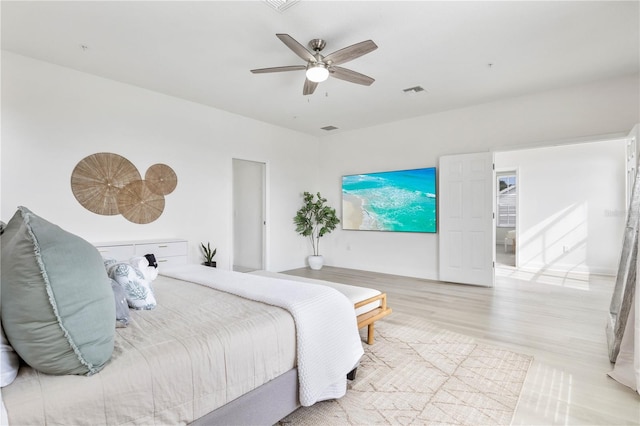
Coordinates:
(466, 214)
(248, 215)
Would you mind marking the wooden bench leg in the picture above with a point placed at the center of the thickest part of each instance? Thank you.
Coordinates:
(370, 317)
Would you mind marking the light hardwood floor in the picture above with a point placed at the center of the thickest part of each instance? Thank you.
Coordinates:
(558, 319)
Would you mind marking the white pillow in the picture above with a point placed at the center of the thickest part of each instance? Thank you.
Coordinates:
(142, 263)
(138, 290)
(9, 361)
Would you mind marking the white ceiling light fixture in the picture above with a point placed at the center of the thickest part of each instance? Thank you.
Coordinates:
(317, 72)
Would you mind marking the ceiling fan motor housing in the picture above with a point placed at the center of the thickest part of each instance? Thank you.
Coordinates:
(317, 44)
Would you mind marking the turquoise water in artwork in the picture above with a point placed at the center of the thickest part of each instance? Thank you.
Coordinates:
(395, 201)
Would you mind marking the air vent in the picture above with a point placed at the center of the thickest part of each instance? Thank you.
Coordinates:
(329, 128)
(413, 90)
(280, 5)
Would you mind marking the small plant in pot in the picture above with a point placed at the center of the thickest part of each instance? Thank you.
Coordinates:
(208, 254)
(314, 220)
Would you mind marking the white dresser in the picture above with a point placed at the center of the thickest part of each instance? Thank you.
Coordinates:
(166, 251)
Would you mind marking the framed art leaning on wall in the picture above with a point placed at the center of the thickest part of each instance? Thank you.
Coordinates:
(396, 201)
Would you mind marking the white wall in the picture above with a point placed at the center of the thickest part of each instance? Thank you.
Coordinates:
(572, 200)
(578, 112)
(52, 117)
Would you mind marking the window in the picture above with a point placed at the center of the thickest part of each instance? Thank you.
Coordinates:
(507, 192)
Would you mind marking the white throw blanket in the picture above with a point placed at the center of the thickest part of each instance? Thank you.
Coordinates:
(328, 341)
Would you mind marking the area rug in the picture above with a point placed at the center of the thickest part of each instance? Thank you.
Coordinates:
(419, 374)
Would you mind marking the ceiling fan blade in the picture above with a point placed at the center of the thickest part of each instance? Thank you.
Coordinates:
(309, 87)
(297, 48)
(350, 52)
(279, 69)
(350, 76)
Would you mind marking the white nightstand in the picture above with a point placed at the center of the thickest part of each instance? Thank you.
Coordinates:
(166, 251)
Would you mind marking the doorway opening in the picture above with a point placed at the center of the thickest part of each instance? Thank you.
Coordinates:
(570, 204)
(249, 221)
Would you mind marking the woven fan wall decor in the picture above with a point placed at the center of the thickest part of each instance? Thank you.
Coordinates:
(109, 184)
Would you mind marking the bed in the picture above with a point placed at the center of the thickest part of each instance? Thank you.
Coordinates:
(197, 351)
(220, 347)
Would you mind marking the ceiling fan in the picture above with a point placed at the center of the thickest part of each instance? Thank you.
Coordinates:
(318, 67)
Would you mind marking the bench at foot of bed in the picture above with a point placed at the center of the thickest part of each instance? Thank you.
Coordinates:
(370, 304)
(369, 318)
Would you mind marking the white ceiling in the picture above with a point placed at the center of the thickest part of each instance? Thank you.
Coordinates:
(203, 50)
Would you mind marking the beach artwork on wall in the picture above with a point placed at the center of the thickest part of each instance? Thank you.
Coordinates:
(399, 201)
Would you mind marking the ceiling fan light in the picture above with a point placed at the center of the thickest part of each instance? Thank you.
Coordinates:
(317, 72)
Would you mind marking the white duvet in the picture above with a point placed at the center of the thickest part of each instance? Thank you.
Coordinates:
(328, 342)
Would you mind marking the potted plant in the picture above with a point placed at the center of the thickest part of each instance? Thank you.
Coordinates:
(208, 254)
(314, 220)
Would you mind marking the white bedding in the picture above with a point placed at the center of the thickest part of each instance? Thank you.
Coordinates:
(328, 342)
(354, 293)
(198, 350)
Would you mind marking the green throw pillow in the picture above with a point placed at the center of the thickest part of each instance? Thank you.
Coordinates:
(57, 303)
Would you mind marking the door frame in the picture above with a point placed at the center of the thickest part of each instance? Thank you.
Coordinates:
(265, 210)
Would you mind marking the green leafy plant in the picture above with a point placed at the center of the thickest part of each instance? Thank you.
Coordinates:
(315, 219)
(208, 253)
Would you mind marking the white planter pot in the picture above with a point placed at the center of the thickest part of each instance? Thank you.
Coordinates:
(315, 262)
